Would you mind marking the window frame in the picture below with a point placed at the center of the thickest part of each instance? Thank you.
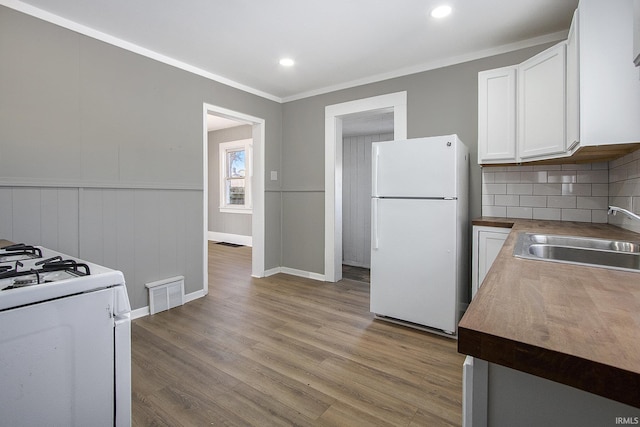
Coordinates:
(223, 149)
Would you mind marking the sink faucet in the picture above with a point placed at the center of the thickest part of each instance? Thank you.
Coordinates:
(614, 209)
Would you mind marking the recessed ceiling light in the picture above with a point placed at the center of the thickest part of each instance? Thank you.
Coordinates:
(441, 11)
(287, 62)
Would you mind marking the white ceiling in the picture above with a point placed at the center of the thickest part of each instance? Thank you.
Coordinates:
(335, 43)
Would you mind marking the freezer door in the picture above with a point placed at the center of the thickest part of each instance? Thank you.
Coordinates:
(421, 167)
(413, 261)
(57, 362)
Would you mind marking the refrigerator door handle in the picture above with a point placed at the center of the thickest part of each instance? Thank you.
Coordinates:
(374, 223)
(376, 162)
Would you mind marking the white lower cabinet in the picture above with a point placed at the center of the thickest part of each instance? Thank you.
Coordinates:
(487, 243)
(496, 396)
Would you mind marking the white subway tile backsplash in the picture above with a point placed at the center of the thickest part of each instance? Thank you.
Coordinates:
(507, 200)
(600, 217)
(592, 202)
(533, 201)
(572, 189)
(520, 189)
(561, 201)
(633, 171)
(600, 189)
(488, 177)
(547, 213)
(519, 168)
(562, 176)
(494, 189)
(507, 177)
(494, 211)
(591, 177)
(581, 215)
(534, 177)
(547, 189)
(569, 192)
(488, 199)
(547, 167)
(519, 212)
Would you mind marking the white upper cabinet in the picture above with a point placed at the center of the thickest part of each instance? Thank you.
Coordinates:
(636, 32)
(573, 84)
(582, 93)
(609, 82)
(497, 115)
(541, 104)
(521, 109)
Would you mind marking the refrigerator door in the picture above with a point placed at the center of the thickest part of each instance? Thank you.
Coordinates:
(413, 261)
(421, 167)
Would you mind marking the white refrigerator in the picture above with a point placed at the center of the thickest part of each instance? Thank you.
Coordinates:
(419, 232)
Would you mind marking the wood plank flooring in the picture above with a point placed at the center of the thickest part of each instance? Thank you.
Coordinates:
(284, 351)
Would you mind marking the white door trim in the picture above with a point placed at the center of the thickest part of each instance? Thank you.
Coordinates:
(397, 102)
(257, 219)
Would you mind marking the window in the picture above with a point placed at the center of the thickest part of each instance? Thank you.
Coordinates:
(235, 176)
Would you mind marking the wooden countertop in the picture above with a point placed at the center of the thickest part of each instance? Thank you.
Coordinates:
(4, 243)
(576, 325)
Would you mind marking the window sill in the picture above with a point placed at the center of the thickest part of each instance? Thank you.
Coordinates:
(236, 210)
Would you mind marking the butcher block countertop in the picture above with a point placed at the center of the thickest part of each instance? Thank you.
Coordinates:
(4, 243)
(575, 325)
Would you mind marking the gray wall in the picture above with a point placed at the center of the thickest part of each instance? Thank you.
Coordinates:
(223, 222)
(118, 137)
(441, 101)
(109, 125)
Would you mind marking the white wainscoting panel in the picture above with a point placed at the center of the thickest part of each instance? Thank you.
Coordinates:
(148, 234)
(40, 216)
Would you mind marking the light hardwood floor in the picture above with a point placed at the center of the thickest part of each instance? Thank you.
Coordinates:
(283, 351)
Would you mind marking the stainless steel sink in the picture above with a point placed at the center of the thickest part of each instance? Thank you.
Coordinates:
(616, 254)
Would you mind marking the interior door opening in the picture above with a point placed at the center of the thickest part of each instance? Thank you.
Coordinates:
(233, 183)
(359, 131)
(335, 115)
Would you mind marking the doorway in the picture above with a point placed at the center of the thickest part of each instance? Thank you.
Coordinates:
(335, 115)
(359, 132)
(256, 176)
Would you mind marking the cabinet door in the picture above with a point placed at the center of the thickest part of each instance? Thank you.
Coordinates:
(487, 243)
(609, 80)
(497, 116)
(573, 85)
(541, 104)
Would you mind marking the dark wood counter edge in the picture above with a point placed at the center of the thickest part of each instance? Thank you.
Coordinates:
(487, 221)
(597, 378)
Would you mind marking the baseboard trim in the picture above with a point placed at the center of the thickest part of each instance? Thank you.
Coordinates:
(140, 312)
(144, 311)
(295, 272)
(194, 295)
(238, 239)
(272, 271)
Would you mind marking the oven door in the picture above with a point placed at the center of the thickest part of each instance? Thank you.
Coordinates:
(57, 362)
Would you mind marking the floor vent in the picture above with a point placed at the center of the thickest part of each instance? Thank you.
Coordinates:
(165, 294)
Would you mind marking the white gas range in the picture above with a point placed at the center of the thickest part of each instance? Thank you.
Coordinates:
(65, 340)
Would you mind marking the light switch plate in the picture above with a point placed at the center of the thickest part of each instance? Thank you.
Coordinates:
(274, 175)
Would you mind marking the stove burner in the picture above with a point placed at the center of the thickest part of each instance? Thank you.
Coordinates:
(50, 270)
(19, 252)
(25, 281)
